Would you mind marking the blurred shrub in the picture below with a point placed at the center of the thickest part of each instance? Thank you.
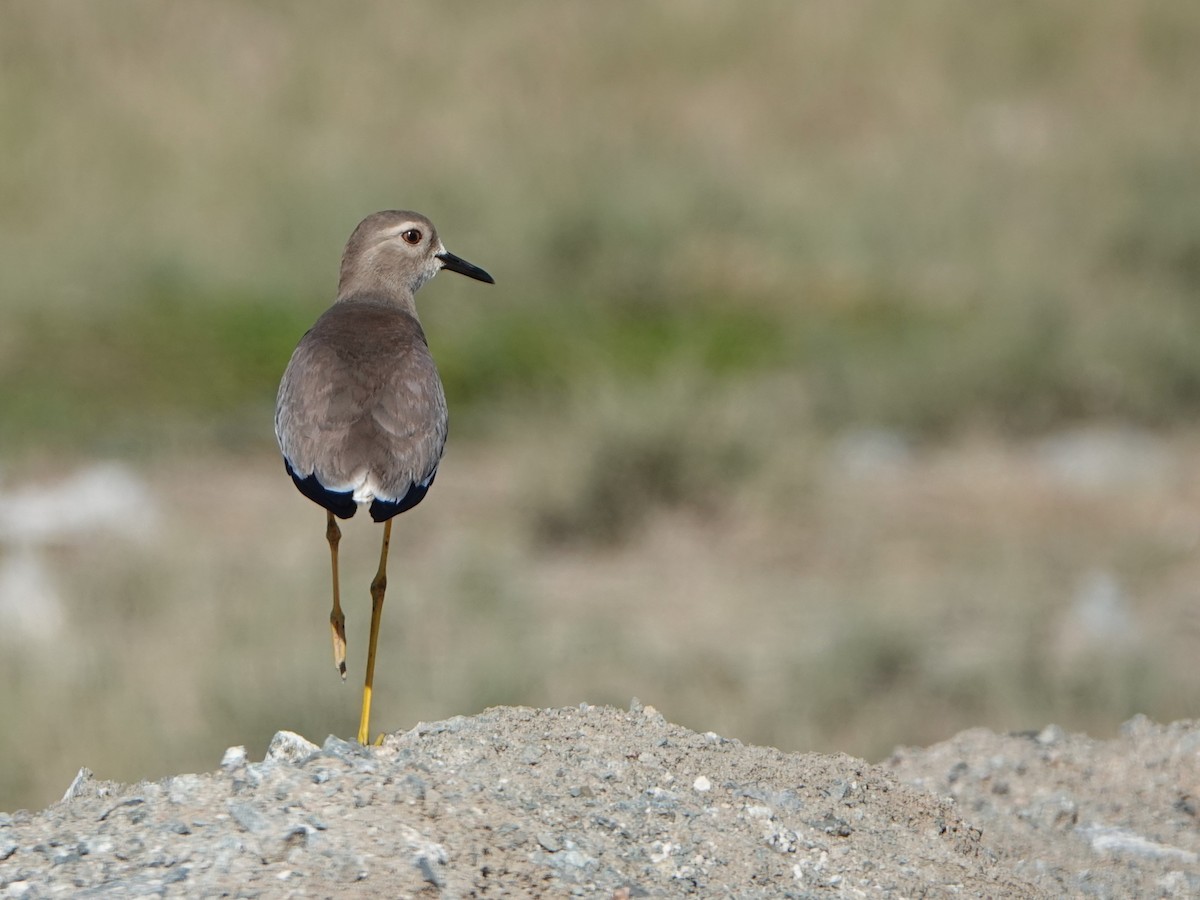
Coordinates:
(621, 455)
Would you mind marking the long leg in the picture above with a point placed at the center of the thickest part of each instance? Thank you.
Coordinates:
(378, 586)
(337, 621)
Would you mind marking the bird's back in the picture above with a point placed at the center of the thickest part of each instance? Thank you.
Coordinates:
(361, 415)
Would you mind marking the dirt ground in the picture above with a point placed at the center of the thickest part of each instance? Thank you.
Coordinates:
(598, 801)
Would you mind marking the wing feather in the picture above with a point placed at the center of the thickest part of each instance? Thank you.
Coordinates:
(361, 405)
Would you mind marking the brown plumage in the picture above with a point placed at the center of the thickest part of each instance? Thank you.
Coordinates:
(368, 417)
(361, 415)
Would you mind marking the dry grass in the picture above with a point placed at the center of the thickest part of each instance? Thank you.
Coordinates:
(839, 600)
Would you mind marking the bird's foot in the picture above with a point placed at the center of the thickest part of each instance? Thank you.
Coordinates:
(337, 625)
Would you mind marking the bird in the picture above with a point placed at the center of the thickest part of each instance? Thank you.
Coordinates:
(360, 415)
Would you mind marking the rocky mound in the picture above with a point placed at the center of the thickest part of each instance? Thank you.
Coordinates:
(591, 800)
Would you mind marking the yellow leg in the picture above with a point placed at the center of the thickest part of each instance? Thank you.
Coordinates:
(378, 586)
(337, 621)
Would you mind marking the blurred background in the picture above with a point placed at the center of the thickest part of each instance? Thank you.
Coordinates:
(839, 388)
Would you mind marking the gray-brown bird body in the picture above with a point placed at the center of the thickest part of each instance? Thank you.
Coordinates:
(368, 419)
(361, 415)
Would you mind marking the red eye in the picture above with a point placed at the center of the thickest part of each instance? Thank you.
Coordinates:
(412, 236)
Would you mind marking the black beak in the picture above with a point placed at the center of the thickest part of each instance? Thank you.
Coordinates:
(462, 267)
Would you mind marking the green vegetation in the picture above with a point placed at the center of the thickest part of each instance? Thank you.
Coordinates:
(936, 220)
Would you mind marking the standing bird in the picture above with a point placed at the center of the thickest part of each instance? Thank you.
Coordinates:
(361, 415)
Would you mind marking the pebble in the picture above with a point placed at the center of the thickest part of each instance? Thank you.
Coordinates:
(233, 759)
(1050, 735)
(185, 788)
(1120, 841)
(249, 818)
(287, 746)
(82, 777)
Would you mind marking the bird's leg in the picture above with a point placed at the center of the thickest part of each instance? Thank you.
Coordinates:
(337, 621)
(378, 586)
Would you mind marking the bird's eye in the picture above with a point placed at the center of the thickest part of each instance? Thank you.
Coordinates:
(412, 236)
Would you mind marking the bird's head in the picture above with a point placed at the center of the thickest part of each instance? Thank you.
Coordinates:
(397, 251)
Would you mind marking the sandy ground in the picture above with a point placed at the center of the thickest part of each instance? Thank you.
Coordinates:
(598, 801)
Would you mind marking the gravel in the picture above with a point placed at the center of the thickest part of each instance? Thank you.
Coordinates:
(597, 801)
